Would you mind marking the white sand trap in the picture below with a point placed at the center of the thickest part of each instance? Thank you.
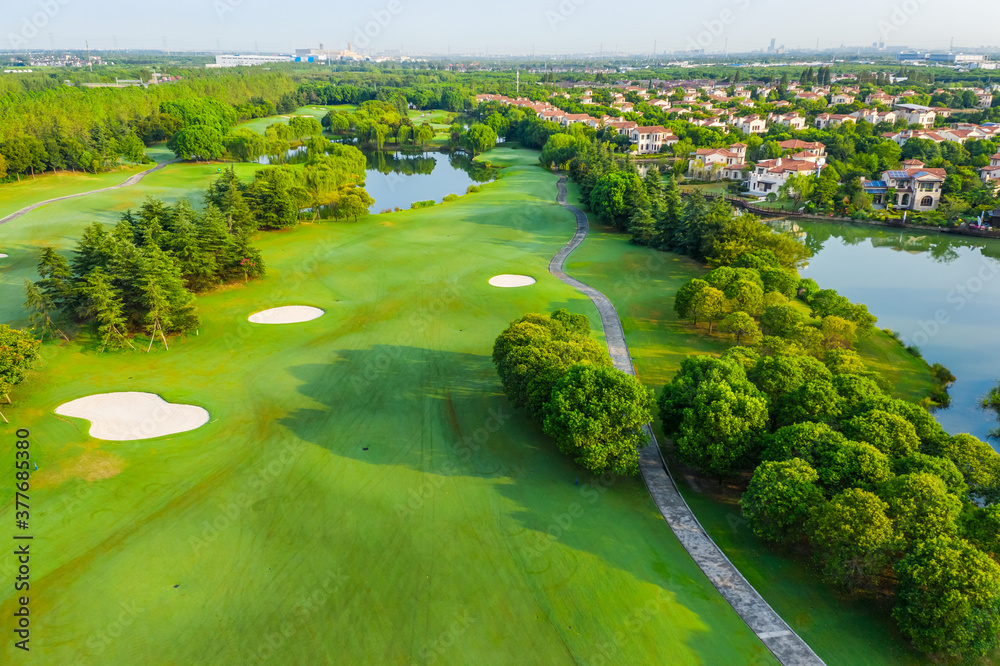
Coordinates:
(130, 415)
(506, 280)
(288, 314)
(2, 255)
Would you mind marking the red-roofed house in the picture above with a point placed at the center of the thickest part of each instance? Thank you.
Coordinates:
(771, 175)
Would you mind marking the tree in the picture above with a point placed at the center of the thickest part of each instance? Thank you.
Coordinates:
(851, 537)
(203, 142)
(596, 415)
(535, 351)
(685, 304)
(815, 400)
(742, 327)
(245, 145)
(18, 352)
(719, 433)
(423, 134)
(891, 434)
(355, 202)
(560, 148)
(838, 333)
(41, 310)
(479, 138)
(978, 463)
(102, 303)
(711, 303)
(745, 296)
(780, 499)
(920, 506)
(948, 599)
(781, 320)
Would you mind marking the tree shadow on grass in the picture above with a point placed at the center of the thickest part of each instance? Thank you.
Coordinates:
(443, 414)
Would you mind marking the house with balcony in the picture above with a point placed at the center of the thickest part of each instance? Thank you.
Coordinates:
(649, 140)
(770, 176)
(719, 163)
(825, 120)
(916, 187)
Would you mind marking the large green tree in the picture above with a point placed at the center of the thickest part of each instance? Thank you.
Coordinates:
(948, 599)
(596, 415)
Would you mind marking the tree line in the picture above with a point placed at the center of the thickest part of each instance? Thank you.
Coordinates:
(869, 486)
(71, 128)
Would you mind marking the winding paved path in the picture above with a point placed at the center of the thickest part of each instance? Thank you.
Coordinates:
(779, 638)
(128, 182)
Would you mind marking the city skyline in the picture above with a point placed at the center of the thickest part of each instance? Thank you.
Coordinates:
(517, 28)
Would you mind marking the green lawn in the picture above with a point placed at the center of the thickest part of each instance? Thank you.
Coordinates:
(363, 485)
(641, 283)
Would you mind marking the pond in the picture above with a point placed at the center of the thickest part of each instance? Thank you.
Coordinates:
(397, 180)
(940, 292)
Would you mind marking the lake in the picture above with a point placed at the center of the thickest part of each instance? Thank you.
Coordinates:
(397, 180)
(940, 292)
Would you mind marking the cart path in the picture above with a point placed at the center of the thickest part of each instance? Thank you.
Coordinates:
(779, 638)
(128, 182)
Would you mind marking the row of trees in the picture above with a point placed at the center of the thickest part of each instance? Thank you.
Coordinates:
(83, 129)
(871, 486)
(141, 275)
(550, 366)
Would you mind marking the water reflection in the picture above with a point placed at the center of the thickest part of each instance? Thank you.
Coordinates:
(941, 292)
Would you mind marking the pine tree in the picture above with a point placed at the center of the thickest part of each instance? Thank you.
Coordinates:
(91, 250)
(103, 305)
(41, 310)
(668, 222)
(199, 268)
(56, 284)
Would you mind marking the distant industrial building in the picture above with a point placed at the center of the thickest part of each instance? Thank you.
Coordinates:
(943, 58)
(246, 60)
(322, 55)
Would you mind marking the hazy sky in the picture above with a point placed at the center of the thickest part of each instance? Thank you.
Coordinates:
(512, 26)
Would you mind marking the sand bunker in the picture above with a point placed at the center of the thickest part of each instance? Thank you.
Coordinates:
(2, 255)
(288, 314)
(506, 280)
(130, 415)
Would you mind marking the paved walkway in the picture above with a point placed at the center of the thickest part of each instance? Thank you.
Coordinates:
(128, 182)
(786, 645)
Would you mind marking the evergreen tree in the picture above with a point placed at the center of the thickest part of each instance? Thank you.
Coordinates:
(103, 305)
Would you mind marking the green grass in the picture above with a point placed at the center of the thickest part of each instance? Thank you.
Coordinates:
(431, 549)
(641, 283)
(59, 224)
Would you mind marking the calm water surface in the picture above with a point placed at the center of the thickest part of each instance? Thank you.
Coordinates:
(940, 292)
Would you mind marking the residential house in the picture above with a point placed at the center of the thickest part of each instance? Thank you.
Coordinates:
(771, 175)
(841, 98)
(715, 163)
(991, 174)
(750, 124)
(649, 140)
(914, 114)
(791, 120)
(917, 187)
(825, 120)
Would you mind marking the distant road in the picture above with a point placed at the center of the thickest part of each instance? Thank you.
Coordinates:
(785, 644)
(128, 182)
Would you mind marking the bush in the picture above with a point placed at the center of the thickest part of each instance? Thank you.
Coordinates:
(422, 204)
(914, 351)
(449, 197)
(472, 189)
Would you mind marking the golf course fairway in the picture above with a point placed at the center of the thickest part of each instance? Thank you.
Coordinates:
(363, 492)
